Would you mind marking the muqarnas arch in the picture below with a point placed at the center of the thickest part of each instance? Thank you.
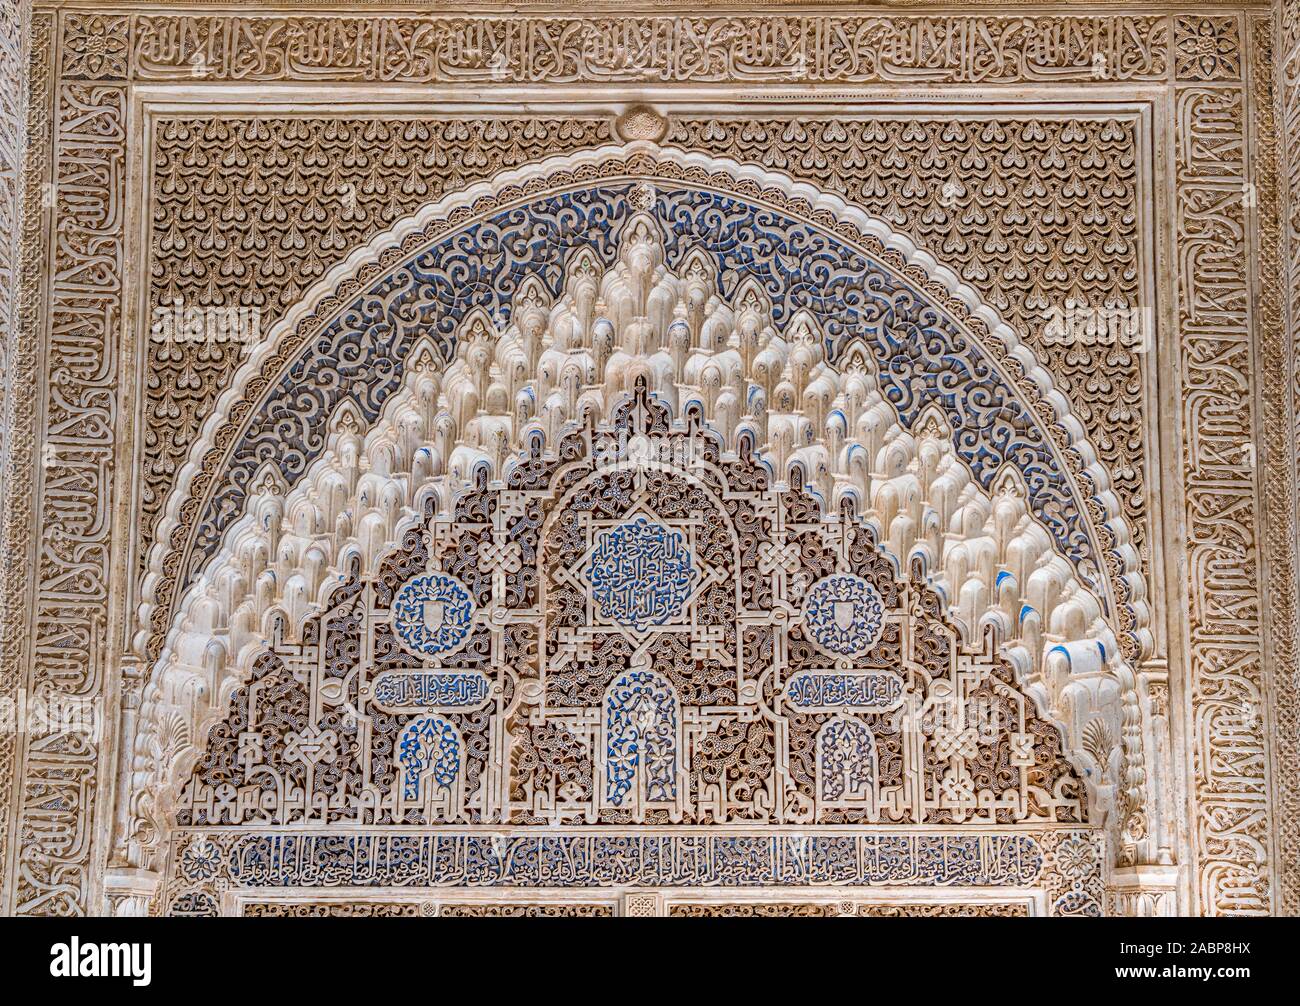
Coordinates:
(684, 314)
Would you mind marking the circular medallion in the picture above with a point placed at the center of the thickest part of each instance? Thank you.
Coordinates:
(640, 574)
(431, 614)
(844, 614)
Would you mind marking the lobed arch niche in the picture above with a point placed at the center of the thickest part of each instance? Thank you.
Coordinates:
(642, 316)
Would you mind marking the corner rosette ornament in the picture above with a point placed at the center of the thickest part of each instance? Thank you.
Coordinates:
(844, 615)
(201, 859)
(432, 614)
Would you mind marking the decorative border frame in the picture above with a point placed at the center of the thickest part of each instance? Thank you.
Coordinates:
(1238, 643)
(1283, 223)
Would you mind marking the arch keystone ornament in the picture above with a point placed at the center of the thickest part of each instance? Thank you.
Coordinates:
(713, 506)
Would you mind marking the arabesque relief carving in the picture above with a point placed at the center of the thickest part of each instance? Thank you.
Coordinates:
(374, 621)
(472, 50)
(659, 322)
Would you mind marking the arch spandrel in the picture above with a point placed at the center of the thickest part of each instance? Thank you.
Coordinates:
(722, 289)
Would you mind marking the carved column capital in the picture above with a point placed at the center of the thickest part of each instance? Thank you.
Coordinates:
(1145, 891)
(127, 891)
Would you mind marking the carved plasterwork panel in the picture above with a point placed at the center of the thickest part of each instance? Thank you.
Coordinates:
(425, 909)
(592, 603)
(836, 295)
(289, 198)
(634, 906)
(1067, 182)
(821, 910)
(1062, 867)
(1219, 193)
(345, 910)
(17, 362)
(1283, 504)
(1128, 163)
(1033, 212)
(608, 658)
(829, 49)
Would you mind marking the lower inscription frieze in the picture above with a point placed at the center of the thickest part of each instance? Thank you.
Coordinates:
(1065, 863)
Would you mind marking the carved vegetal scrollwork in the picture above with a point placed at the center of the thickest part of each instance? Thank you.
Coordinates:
(462, 428)
(641, 584)
(1030, 210)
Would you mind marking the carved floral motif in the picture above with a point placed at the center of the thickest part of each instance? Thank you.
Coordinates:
(95, 46)
(1207, 47)
(78, 172)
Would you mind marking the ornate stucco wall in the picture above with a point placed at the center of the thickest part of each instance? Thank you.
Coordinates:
(11, 123)
(283, 164)
(1283, 499)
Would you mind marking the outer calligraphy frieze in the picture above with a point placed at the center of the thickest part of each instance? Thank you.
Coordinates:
(681, 49)
(1226, 687)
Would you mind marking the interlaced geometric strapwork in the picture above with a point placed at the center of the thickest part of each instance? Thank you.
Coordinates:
(645, 468)
(654, 584)
(677, 638)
